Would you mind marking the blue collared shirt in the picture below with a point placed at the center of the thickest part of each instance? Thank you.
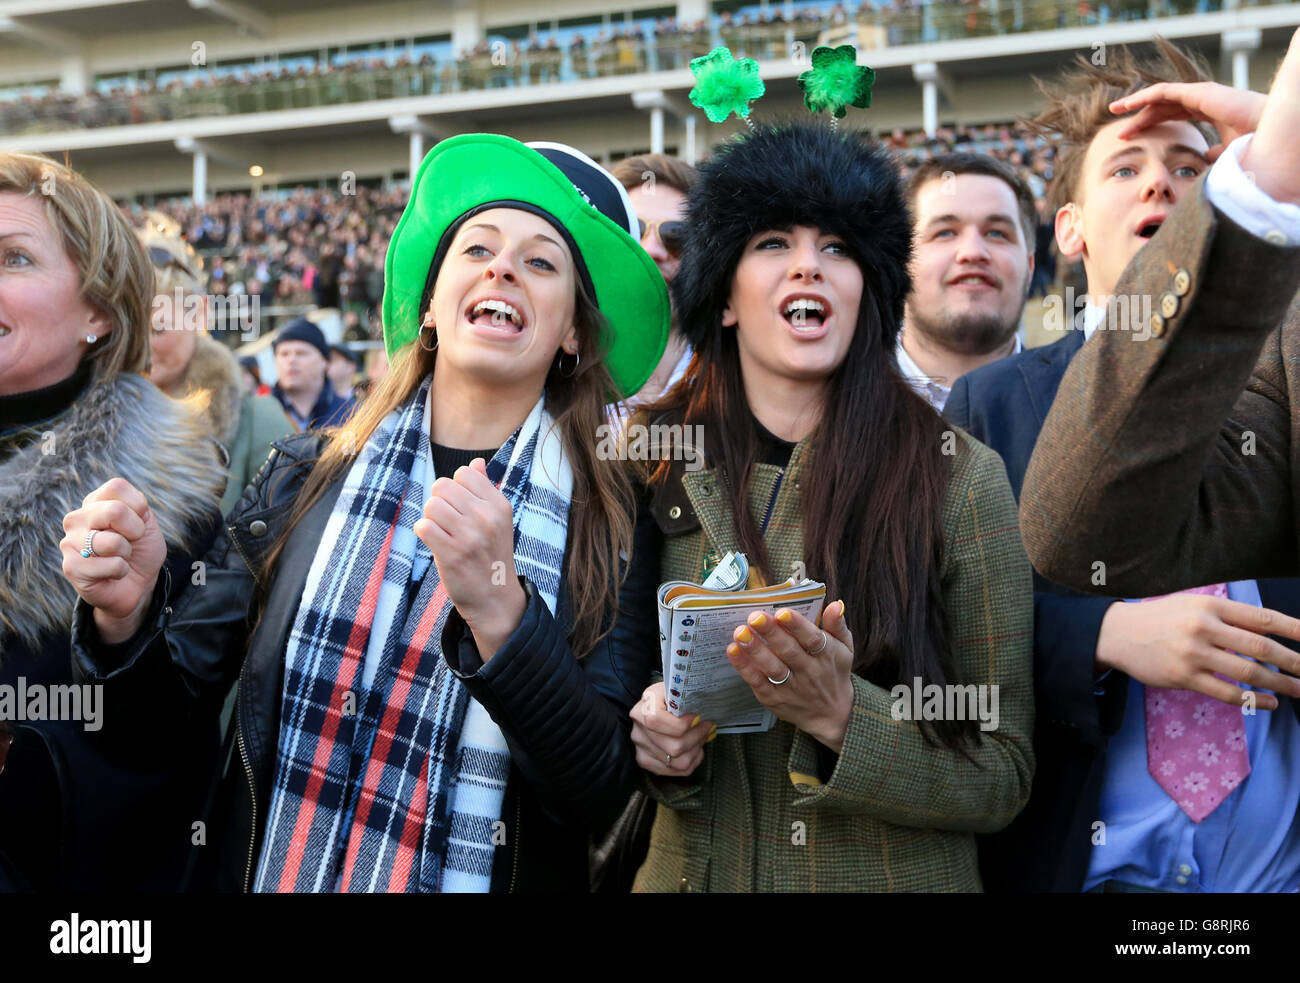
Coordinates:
(1251, 842)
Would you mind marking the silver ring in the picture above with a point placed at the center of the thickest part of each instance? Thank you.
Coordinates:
(823, 648)
(88, 550)
(783, 680)
(668, 761)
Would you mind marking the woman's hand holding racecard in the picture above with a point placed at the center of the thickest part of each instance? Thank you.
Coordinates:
(802, 673)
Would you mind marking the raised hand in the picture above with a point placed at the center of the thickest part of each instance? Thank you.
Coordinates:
(1230, 111)
(469, 527)
(129, 551)
(1273, 156)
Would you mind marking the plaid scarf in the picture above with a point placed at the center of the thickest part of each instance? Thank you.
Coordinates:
(389, 776)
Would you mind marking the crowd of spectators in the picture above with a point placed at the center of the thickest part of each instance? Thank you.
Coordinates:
(311, 248)
(643, 46)
(318, 248)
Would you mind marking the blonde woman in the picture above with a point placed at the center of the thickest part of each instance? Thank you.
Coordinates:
(87, 802)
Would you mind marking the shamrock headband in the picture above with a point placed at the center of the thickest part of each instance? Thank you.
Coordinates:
(726, 85)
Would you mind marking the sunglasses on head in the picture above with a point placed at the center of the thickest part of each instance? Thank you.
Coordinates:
(163, 258)
(671, 234)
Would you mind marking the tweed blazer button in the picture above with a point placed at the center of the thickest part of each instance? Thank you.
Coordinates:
(675, 512)
(1182, 283)
(257, 527)
(1168, 305)
(684, 887)
(1157, 326)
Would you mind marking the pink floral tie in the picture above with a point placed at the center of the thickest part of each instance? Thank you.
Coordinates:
(1196, 745)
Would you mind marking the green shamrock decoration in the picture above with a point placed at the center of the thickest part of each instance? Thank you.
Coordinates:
(836, 81)
(724, 85)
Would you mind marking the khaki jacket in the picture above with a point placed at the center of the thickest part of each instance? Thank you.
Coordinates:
(896, 813)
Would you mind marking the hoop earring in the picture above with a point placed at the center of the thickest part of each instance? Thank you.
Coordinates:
(559, 364)
(420, 340)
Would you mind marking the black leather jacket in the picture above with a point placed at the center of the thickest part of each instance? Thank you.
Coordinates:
(565, 720)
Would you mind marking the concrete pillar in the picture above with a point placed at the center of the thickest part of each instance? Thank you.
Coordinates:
(927, 73)
(657, 130)
(200, 188)
(1241, 44)
(417, 152)
(688, 151)
(466, 28)
(929, 107)
(72, 74)
(690, 11)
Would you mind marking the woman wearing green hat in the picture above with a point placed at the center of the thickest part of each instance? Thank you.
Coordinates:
(434, 696)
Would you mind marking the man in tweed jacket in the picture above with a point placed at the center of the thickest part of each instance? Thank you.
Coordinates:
(894, 813)
(1174, 461)
(1097, 660)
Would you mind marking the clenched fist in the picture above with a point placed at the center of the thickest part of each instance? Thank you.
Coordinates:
(469, 527)
(118, 581)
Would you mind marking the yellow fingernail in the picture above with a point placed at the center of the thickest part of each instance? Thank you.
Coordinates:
(759, 620)
(745, 635)
(712, 734)
(785, 617)
(733, 651)
(696, 720)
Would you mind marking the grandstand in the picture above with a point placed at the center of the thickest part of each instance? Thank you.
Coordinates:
(160, 98)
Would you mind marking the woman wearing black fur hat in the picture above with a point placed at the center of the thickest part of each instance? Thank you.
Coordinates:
(791, 292)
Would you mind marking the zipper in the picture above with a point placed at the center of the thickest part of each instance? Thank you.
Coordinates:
(239, 730)
(519, 812)
(252, 793)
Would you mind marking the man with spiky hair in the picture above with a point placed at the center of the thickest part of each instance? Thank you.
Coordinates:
(1147, 781)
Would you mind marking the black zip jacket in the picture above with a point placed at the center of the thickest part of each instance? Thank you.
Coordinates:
(565, 720)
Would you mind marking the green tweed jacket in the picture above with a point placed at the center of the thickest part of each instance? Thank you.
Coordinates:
(896, 813)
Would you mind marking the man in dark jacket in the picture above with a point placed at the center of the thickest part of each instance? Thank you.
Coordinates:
(303, 388)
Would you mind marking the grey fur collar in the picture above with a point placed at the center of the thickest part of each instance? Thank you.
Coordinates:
(123, 428)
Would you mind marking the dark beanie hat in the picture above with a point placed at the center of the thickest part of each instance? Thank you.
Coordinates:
(300, 329)
(352, 356)
(787, 174)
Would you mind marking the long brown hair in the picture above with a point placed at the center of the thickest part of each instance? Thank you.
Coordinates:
(603, 503)
(874, 480)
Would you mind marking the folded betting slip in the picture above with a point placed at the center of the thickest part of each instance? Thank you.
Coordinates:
(696, 624)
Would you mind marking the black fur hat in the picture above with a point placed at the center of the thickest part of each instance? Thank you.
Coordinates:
(786, 174)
